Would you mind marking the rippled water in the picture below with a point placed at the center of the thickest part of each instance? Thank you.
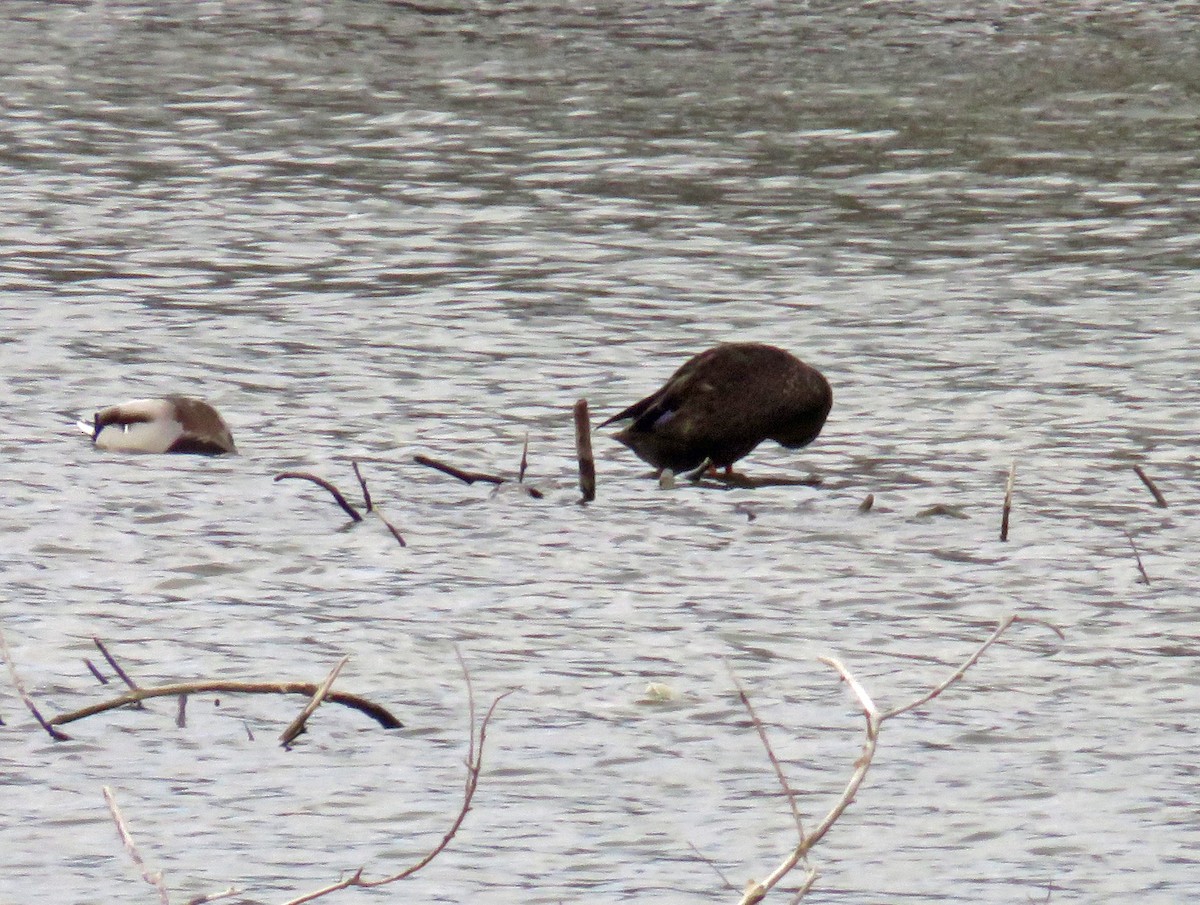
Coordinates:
(368, 230)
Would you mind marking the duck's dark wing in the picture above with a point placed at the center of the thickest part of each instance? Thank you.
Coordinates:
(663, 400)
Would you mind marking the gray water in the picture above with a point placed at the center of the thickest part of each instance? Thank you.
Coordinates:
(368, 230)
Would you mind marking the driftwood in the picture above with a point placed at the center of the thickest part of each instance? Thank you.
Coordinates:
(875, 718)
(375, 711)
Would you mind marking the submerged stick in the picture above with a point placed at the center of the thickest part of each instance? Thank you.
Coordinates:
(583, 450)
(1138, 557)
(1012, 476)
(1159, 499)
(296, 726)
(20, 687)
(321, 482)
(371, 709)
(467, 477)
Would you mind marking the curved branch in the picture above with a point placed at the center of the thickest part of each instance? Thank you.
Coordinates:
(321, 482)
(375, 711)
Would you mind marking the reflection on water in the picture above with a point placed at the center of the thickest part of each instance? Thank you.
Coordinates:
(364, 230)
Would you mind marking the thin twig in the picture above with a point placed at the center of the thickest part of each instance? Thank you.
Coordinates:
(112, 661)
(474, 765)
(524, 461)
(1151, 486)
(716, 867)
(788, 792)
(583, 451)
(362, 482)
(375, 711)
(321, 482)
(100, 677)
(468, 477)
(155, 879)
(296, 726)
(1138, 557)
(1008, 491)
(20, 687)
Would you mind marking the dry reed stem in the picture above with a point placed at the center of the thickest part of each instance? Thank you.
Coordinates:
(155, 879)
(1008, 490)
(321, 482)
(373, 710)
(524, 461)
(28, 701)
(875, 718)
(474, 765)
(296, 726)
(1151, 486)
(583, 451)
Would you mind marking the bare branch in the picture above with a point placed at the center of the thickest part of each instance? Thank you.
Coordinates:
(1004, 626)
(468, 477)
(154, 879)
(296, 726)
(1138, 557)
(112, 662)
(1159, 499)
(371, 709)
(321, 482)
(756, 891)
(20, 687)
(474, 765)
(362, 482)
(788, 792)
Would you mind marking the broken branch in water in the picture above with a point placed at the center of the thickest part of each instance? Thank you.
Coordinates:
(474, 764)
(1008, 490)
(875, 718)
(470, 477)
(155, 879)
(20, 687)
(1138, 557)
(321, 482)
(296, 726)
(343, 502)
(583, 451)
(1159, 499)
(374, 711)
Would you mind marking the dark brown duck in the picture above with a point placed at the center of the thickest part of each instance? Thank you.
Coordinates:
(724, 402)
